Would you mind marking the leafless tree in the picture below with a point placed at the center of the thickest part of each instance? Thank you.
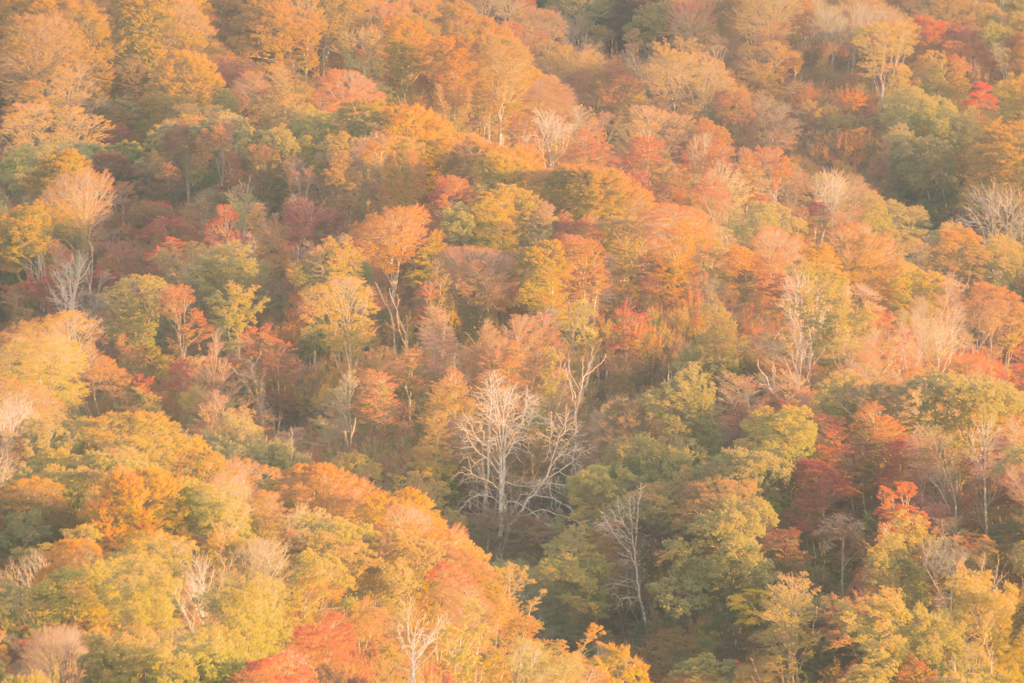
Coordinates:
(515, 458)
(831, 189)
(775, 122)
(22, 571)
(15, 410)
(267, 556)
(940, 327)
(69, 279)
(555, 133)
(994, 209)
(54, 651)
(418, 634)
(848, 533)
(502, 10)
(810, 314)
(191, 595)
(984, 441)
(942, 461)
(579, 365)
(621, 524)
(941, 556)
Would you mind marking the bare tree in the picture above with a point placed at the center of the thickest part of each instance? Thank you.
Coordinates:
(555, 133)
(940, 327)
(22, 571)
(54, 651)
(191, 595)
(831, 189)
(994, 209)
(942, 461)
(621, 524)
(15, 410)
(417, 634)
(267, 556)
(70, 278)
(941, 556)
(502, 10)
(579, 365)
(848, 533)
(813, 311)
(984, 440)
(515, 458)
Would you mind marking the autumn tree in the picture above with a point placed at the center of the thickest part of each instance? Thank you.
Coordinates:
(508, 70)
(177, 305)
(390, 239)
(132, 307)
(790, 614)
(831, 189)
(79, 201)
(883, 47)
(16, 408)
(685, 77)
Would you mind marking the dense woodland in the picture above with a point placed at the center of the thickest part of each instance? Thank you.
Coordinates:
(435, 341)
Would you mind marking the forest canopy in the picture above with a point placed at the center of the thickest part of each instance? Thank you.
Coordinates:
(511, 341)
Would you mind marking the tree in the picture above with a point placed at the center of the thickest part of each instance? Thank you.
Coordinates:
(507, 71)
(621, 524)
(940, 326)
(848, 533)
(943, 461)
(181, 78)
(555, 133)
(338, 87)
(790, 614)
(177, 304)
(280, 30)
(70, 279)
(128, 503)
(25, 231)
(883, 46)
(16, 408)
(390, 239)
(719, 553)
(54, 651)
(984, 441)
(53, 352)
(873, 624)
(418, 634)
(831, 188)
(993, 209)
(339, 312)
(815, 305)
(132, 307)
(192, 597)
(997, 317)
(236, 307)
(81, 200)
(143, 31)
(41, 124)
(515, 458)
(685, 77)
(48, 55)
